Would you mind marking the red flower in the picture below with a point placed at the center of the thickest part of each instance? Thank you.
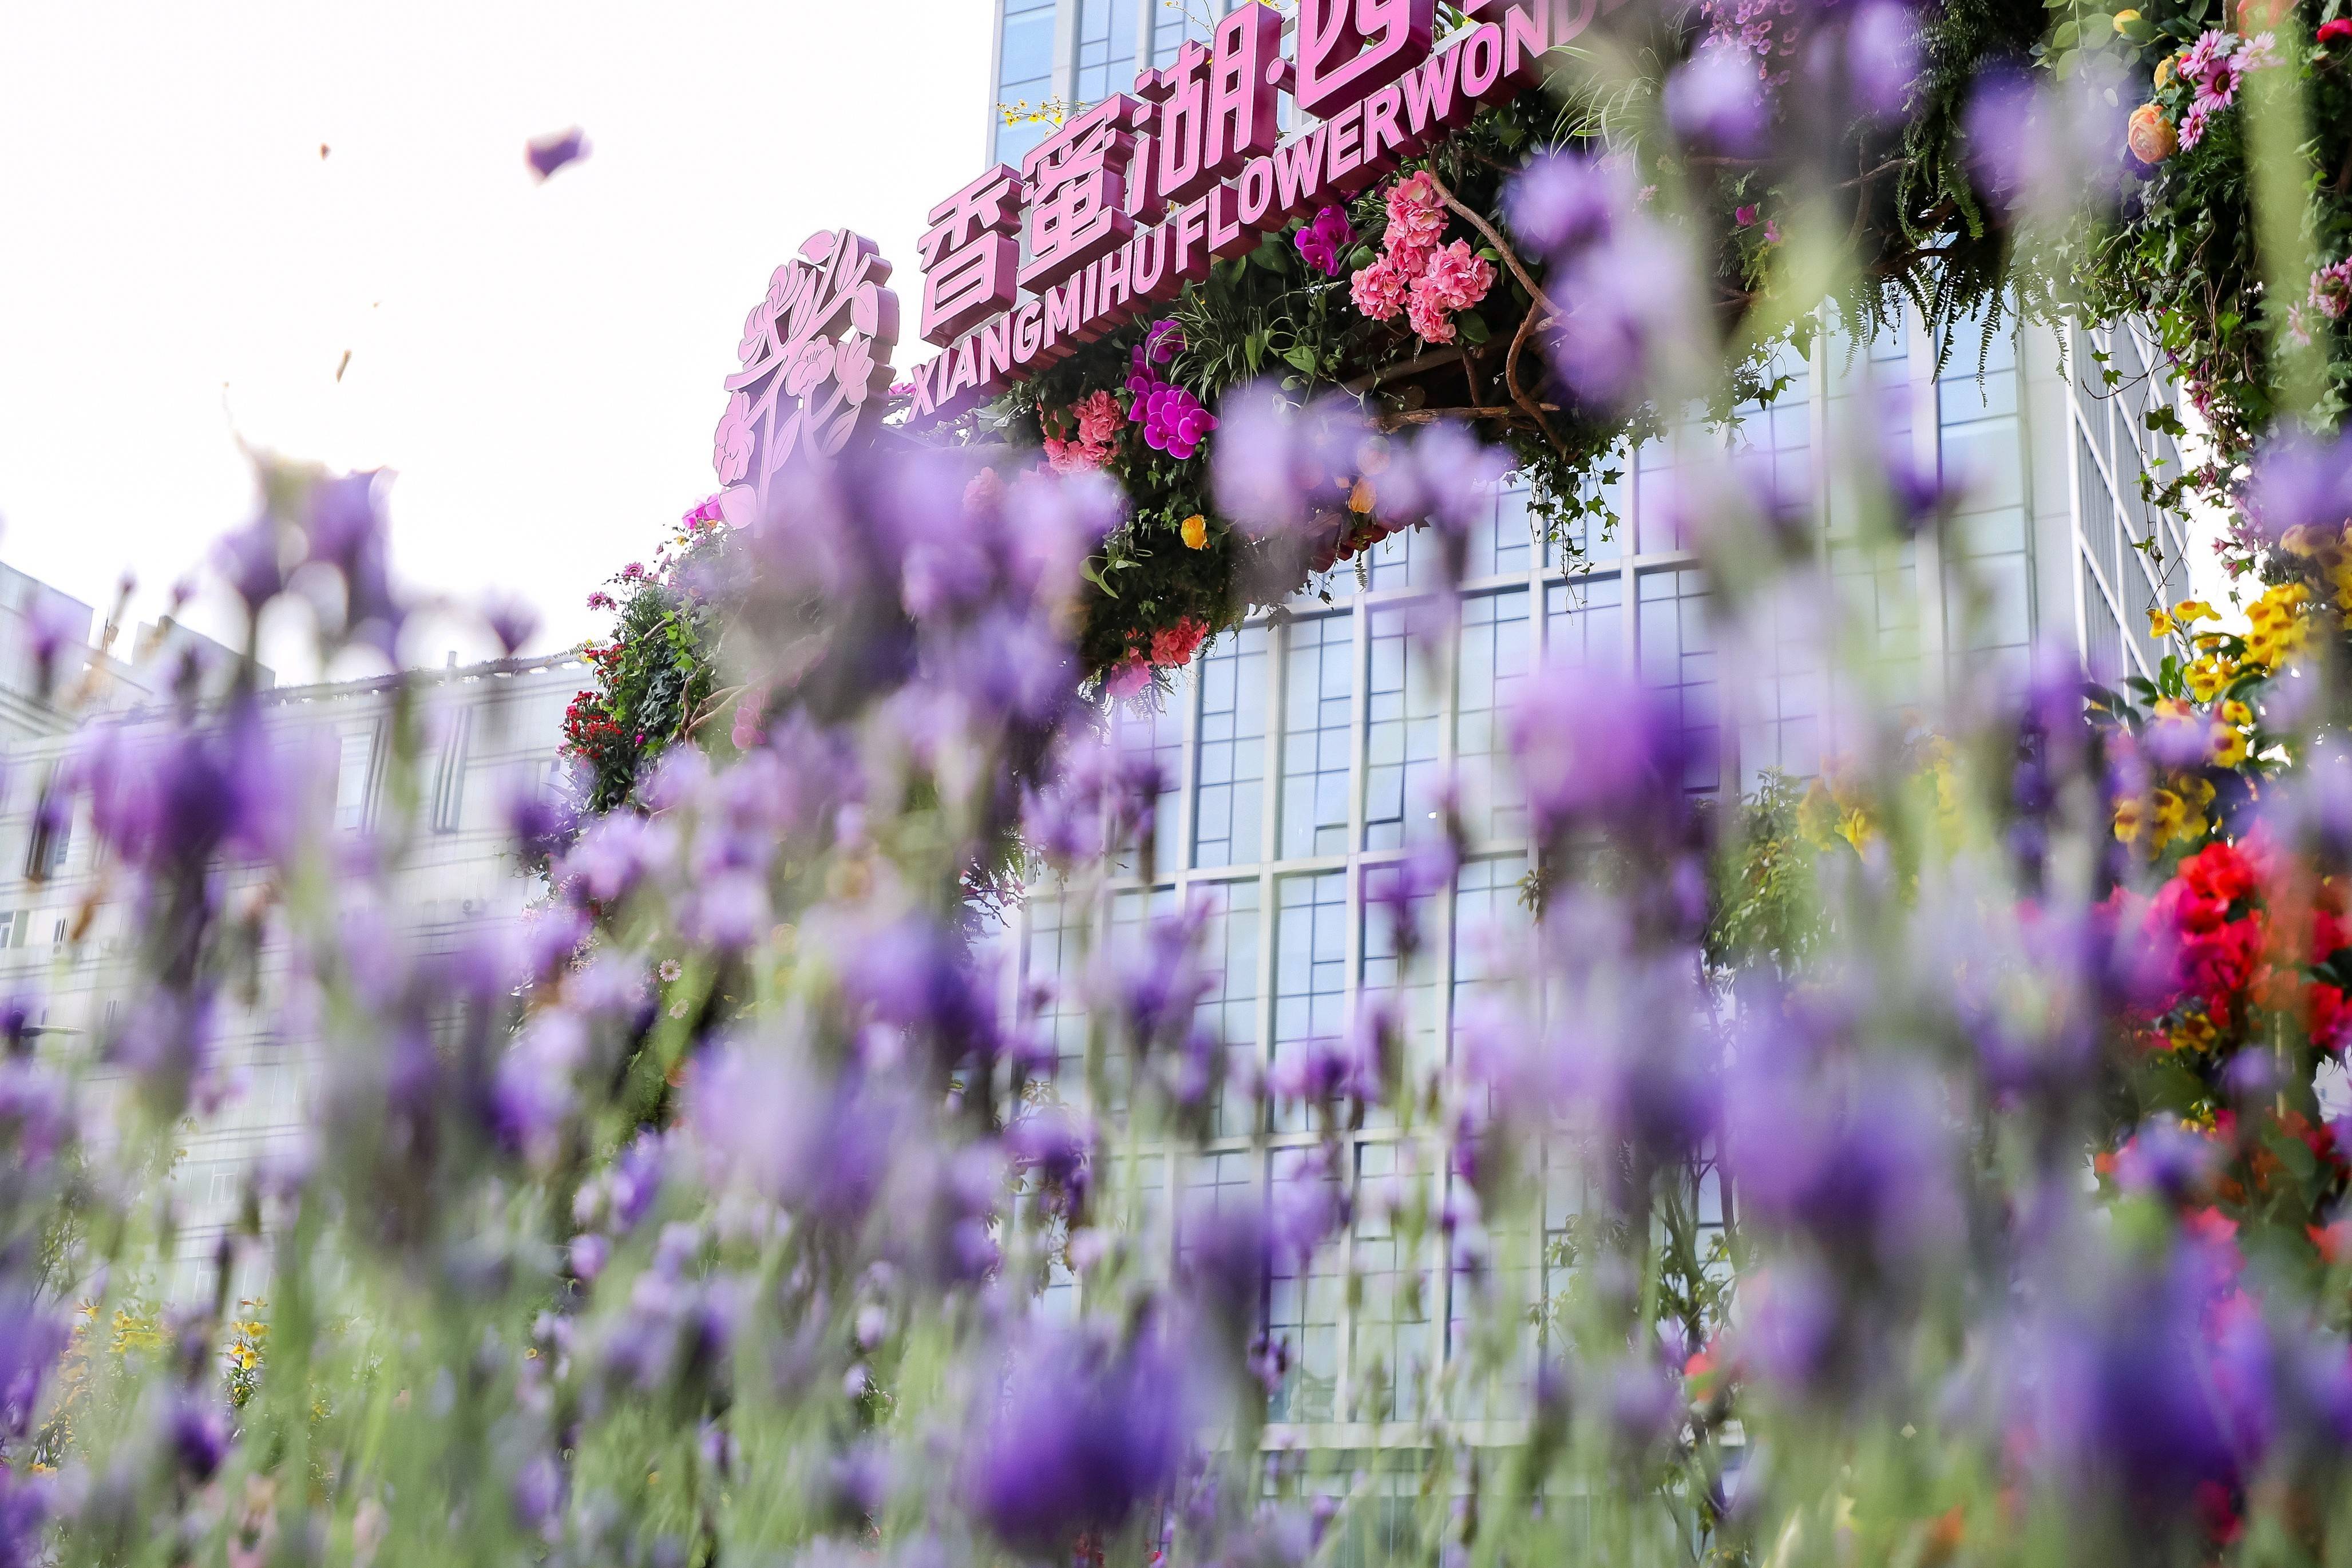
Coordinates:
(2328, 1016)
(2331, 32)
(2219, 871)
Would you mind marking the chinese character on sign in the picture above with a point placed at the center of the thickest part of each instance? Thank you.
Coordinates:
(1335, 70)
(968, 253)
(1218, 106)
(816, 360)
(1077, 191)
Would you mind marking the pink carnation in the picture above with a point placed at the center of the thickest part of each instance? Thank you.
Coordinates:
(1378, 290)
(1457, 276)
(1416, 214)
(1099, 418)
(1427, 314)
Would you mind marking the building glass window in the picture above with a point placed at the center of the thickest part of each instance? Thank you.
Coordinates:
(1585, 622)
(1318, 697)
(1106, 49)
(1404, 734)
(1303, 1312)
(354, 773)
(1677, 642)
(1229, 796)
(1496, 657)
(1311, 969)
(1024, 76)
(1229, 1010)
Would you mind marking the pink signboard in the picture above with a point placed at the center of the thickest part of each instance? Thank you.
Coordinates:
(1126, 202)
(1121, 206)
(815, 358)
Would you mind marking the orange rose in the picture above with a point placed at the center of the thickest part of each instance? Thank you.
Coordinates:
(2151, 137)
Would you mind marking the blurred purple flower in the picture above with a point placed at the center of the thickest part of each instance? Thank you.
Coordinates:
(1625, 300)
(2298, 482)
(1563, 202)
(1882, 56)
(512, 621)
(545, 155)
(1594, 749)
(1715, 100)
(1277, 463)
(1083, 1432)
(199, 1435)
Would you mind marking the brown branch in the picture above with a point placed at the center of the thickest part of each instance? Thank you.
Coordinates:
(1502, 247)
(1511, 376)
(1397, 419)
(1413, 366)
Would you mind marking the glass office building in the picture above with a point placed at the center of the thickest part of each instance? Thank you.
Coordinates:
(1303, 752)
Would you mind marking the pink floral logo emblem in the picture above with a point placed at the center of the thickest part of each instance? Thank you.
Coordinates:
(816, 363)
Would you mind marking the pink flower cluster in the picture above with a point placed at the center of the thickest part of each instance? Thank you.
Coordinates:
(2331, 291)
(1099, 417)
(1429, 281)
(703, 514)
(2213, 65)
(1171, 648)
(1173, 420)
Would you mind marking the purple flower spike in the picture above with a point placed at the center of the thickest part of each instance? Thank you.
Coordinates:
(1083, 1432)
(1716, 101)
(548, 154)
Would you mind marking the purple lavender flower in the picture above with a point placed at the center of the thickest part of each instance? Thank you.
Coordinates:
(545, 155)
(512, 621)
(1085, 1431)
(2298, 482)
(1593, 749)
(1626, 299)
(199, 1435)
(1715, 100)
(1276, 462)
(1563, 202)
(1882, 56)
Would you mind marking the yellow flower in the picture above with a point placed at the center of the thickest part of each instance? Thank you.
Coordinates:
(2173, 708)
(2236, 712)
(1196, 532)
(2160, 624)
(2130, 816)
(2206, 678)
(2189, 612)
(2194, 1034)
(2165, 69)
(2229, 746)
(1360, 499)
(2126, 15)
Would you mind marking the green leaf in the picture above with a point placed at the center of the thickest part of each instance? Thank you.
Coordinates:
(1472, 326)
(1302, 358)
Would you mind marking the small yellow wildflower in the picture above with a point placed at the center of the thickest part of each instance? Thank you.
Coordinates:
(2208, 675)
(2195, 1032)
(1196, 532)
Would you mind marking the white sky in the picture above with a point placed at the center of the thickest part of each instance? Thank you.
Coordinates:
(541, 364)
